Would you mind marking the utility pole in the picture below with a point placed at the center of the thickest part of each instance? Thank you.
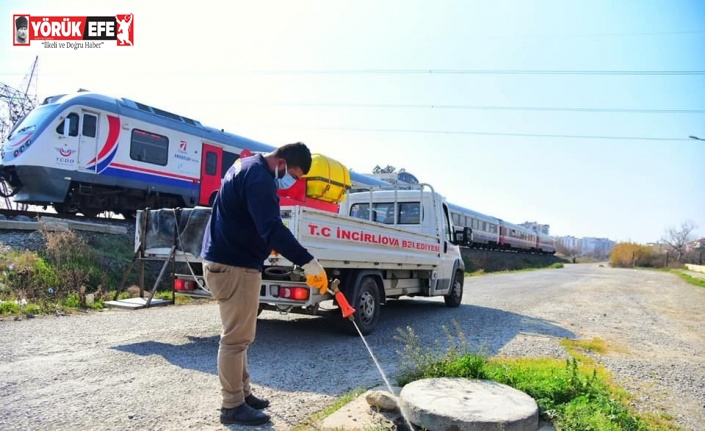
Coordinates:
(17, 103)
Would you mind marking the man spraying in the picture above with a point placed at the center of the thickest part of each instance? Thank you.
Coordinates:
(244, 227)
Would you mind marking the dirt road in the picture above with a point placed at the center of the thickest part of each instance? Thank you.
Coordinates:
(155, 369)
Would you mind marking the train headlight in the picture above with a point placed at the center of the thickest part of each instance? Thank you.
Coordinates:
(16, 153)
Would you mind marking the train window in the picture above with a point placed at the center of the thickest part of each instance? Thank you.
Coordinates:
(89, 125)
(211, 163)
(73, 125)
(149, 147)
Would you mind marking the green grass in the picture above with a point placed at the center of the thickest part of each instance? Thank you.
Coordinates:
(596, 345)
(72, 303)
(71, 268)
(575, 394)
(696, 281)
(309, 423)
(178, 299)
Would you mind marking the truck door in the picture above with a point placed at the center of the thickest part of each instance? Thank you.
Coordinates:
(211, 171)
(88, 141)
(448, 254)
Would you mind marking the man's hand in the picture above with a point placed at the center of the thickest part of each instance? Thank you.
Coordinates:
(316, 276)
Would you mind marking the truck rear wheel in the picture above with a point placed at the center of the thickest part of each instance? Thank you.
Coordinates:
(366, 305)
(455, 296)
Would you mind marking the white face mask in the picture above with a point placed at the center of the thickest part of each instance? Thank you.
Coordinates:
(286, 181)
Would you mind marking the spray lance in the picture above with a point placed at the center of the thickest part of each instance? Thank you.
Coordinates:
(348, 312)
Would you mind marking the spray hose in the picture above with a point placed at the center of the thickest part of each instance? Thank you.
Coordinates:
(345, 307)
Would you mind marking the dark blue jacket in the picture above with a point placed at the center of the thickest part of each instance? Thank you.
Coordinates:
(245, 224)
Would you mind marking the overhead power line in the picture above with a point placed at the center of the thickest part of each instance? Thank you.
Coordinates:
(481, 72)
(489, 108)
(526, 135)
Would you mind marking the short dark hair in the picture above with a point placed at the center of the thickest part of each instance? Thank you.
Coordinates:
(297, 155)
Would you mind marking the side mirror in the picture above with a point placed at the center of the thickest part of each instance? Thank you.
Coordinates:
(463, 237)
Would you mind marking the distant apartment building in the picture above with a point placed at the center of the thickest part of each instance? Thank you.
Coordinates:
(599, 247)
(543, 228)
(588, 246)
(569, 243)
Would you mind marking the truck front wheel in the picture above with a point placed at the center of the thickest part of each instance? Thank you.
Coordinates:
(366, 305)
(455, 296)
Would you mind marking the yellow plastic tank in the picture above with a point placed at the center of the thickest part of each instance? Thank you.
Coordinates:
(327, 180)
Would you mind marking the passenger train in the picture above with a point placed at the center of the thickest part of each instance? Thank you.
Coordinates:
(88, 153)
(492, 233)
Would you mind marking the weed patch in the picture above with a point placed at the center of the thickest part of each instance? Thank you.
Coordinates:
(70, 269)
(574, 395)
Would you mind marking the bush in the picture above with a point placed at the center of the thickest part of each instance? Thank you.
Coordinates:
(9, 307)
(25, 275)
(632, 255)
(70, 267)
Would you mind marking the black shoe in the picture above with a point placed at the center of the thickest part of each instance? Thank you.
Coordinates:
(243, 415)
(256, 403)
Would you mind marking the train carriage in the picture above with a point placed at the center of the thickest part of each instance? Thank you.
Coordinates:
(485, 228)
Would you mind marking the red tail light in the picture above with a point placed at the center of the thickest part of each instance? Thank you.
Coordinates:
(294, 292)
(184, 285)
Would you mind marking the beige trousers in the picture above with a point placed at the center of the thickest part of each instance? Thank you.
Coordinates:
(237, 292)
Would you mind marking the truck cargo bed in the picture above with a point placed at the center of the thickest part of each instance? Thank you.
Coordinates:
(336, 241)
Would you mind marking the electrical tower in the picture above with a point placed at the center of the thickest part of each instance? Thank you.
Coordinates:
(15, 103)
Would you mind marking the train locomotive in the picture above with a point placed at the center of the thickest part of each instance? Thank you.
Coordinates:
(88, 153)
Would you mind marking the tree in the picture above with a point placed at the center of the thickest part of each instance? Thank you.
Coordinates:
(678, 239)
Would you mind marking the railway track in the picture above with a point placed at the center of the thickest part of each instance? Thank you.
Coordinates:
(12, 214)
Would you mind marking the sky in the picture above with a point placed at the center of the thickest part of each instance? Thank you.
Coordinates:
(575, 114)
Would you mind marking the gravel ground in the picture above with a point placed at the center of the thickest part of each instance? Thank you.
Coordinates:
(154, 369)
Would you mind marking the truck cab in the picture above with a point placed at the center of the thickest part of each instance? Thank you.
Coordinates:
(413, 211)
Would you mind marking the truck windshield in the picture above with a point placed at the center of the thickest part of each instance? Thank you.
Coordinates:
(30, 122)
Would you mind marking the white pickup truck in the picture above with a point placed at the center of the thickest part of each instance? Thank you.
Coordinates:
(381, 245)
